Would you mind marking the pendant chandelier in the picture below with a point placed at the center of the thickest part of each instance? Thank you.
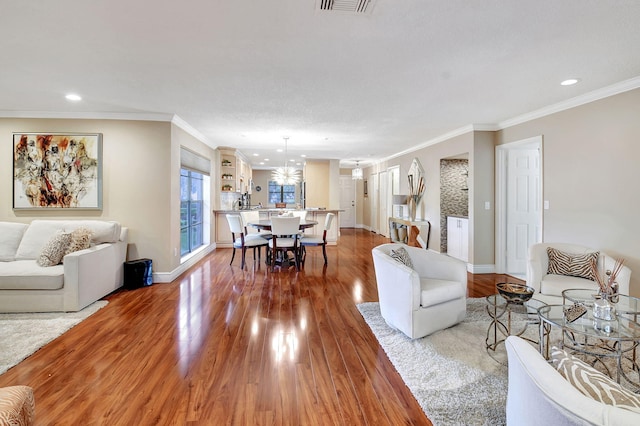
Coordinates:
(285, 175)
(357, 172)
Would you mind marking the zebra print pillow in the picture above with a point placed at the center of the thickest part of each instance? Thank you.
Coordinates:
(592, 383)
(573, 265)
(402, 256)
(17, 406)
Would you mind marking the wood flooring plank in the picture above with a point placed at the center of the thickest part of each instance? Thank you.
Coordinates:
(225, 345)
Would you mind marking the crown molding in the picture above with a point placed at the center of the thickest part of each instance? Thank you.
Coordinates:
(191, 130)
(605, 92)
(75, 115)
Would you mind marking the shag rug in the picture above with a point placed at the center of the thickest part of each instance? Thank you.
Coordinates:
(449, 372)
(23, 334)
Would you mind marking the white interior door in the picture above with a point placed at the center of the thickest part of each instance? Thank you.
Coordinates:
(384, 204)
(373, 196)
(347, 202)
(523, 206)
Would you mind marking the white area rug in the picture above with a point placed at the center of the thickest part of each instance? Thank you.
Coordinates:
(449, 372)
(23, 334)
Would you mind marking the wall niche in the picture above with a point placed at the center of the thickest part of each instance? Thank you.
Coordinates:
(454, 192)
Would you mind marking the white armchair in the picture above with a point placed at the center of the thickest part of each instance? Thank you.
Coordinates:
(549, 287)
(540, 395)
(422, 300)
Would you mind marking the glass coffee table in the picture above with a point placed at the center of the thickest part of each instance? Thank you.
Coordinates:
(509, 319)
(626, 305)
(610, 344)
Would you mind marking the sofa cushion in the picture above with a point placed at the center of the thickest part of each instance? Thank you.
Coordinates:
(36, 236)
(554, 285)
(581, 265)
(592, 383)
(54, 250)
(433, 292)
(27, 275)
(104, 231)
(10, 236)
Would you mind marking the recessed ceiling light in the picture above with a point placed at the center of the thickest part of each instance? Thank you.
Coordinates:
(279, 149)
(570, 81)
(73, 97)
(266, 159)
(262, 162)
(255, 154)
(303, 155)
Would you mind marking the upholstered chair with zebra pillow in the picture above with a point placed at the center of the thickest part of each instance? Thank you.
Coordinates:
(555, 267)
(420, 291)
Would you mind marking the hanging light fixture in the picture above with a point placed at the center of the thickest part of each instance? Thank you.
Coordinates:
(357, 172)
(285, 175)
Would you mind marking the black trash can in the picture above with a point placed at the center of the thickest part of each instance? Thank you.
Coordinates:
(138, 273)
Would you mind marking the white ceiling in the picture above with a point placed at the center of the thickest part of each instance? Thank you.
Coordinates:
(245, 73)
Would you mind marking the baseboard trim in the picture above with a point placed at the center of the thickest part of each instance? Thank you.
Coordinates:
(167, 277)
(481, 269)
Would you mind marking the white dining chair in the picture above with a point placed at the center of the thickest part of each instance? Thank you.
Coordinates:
(242, 241)
(284, 239)
(316, 240)
(253, 216)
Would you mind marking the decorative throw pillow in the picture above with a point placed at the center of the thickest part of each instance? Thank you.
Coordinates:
(402, 255)
(592, 383)
(80, 240)
(573, 265)
(53, 251)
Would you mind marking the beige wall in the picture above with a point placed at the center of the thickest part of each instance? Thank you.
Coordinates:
(180, 138)
(140, 180)
(261, 178)
(317, 178)
(591, 155)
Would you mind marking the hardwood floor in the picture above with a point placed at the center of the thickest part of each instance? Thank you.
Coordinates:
(220, 345)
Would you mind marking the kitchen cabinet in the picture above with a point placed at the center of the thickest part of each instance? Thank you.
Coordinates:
(235, 172)
(458, 237)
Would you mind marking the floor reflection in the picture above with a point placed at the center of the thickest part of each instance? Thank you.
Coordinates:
(193, 315)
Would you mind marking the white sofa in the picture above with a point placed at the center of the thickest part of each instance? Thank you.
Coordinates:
(84, 277)
(422, 300)
(539, 395)
(549, 287)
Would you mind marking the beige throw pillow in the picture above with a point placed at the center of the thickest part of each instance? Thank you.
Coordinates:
(573, 265)
(80, 240)
(592, 383)
(54, 249)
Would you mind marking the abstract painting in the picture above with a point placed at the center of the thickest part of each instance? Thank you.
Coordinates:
(54, 170)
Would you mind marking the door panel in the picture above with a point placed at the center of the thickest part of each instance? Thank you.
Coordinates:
(523, 207)
(347, 202)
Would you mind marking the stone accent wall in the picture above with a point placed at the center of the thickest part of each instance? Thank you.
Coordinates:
(454, 194)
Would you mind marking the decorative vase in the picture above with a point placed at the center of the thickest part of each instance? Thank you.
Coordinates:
(603, 309)
(412, 203)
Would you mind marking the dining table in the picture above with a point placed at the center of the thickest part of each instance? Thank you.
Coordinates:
(265, 224)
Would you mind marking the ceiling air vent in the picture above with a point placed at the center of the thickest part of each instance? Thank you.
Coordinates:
(351, 6)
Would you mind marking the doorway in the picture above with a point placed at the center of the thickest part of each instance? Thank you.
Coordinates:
(347, 202)
(519, 204)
